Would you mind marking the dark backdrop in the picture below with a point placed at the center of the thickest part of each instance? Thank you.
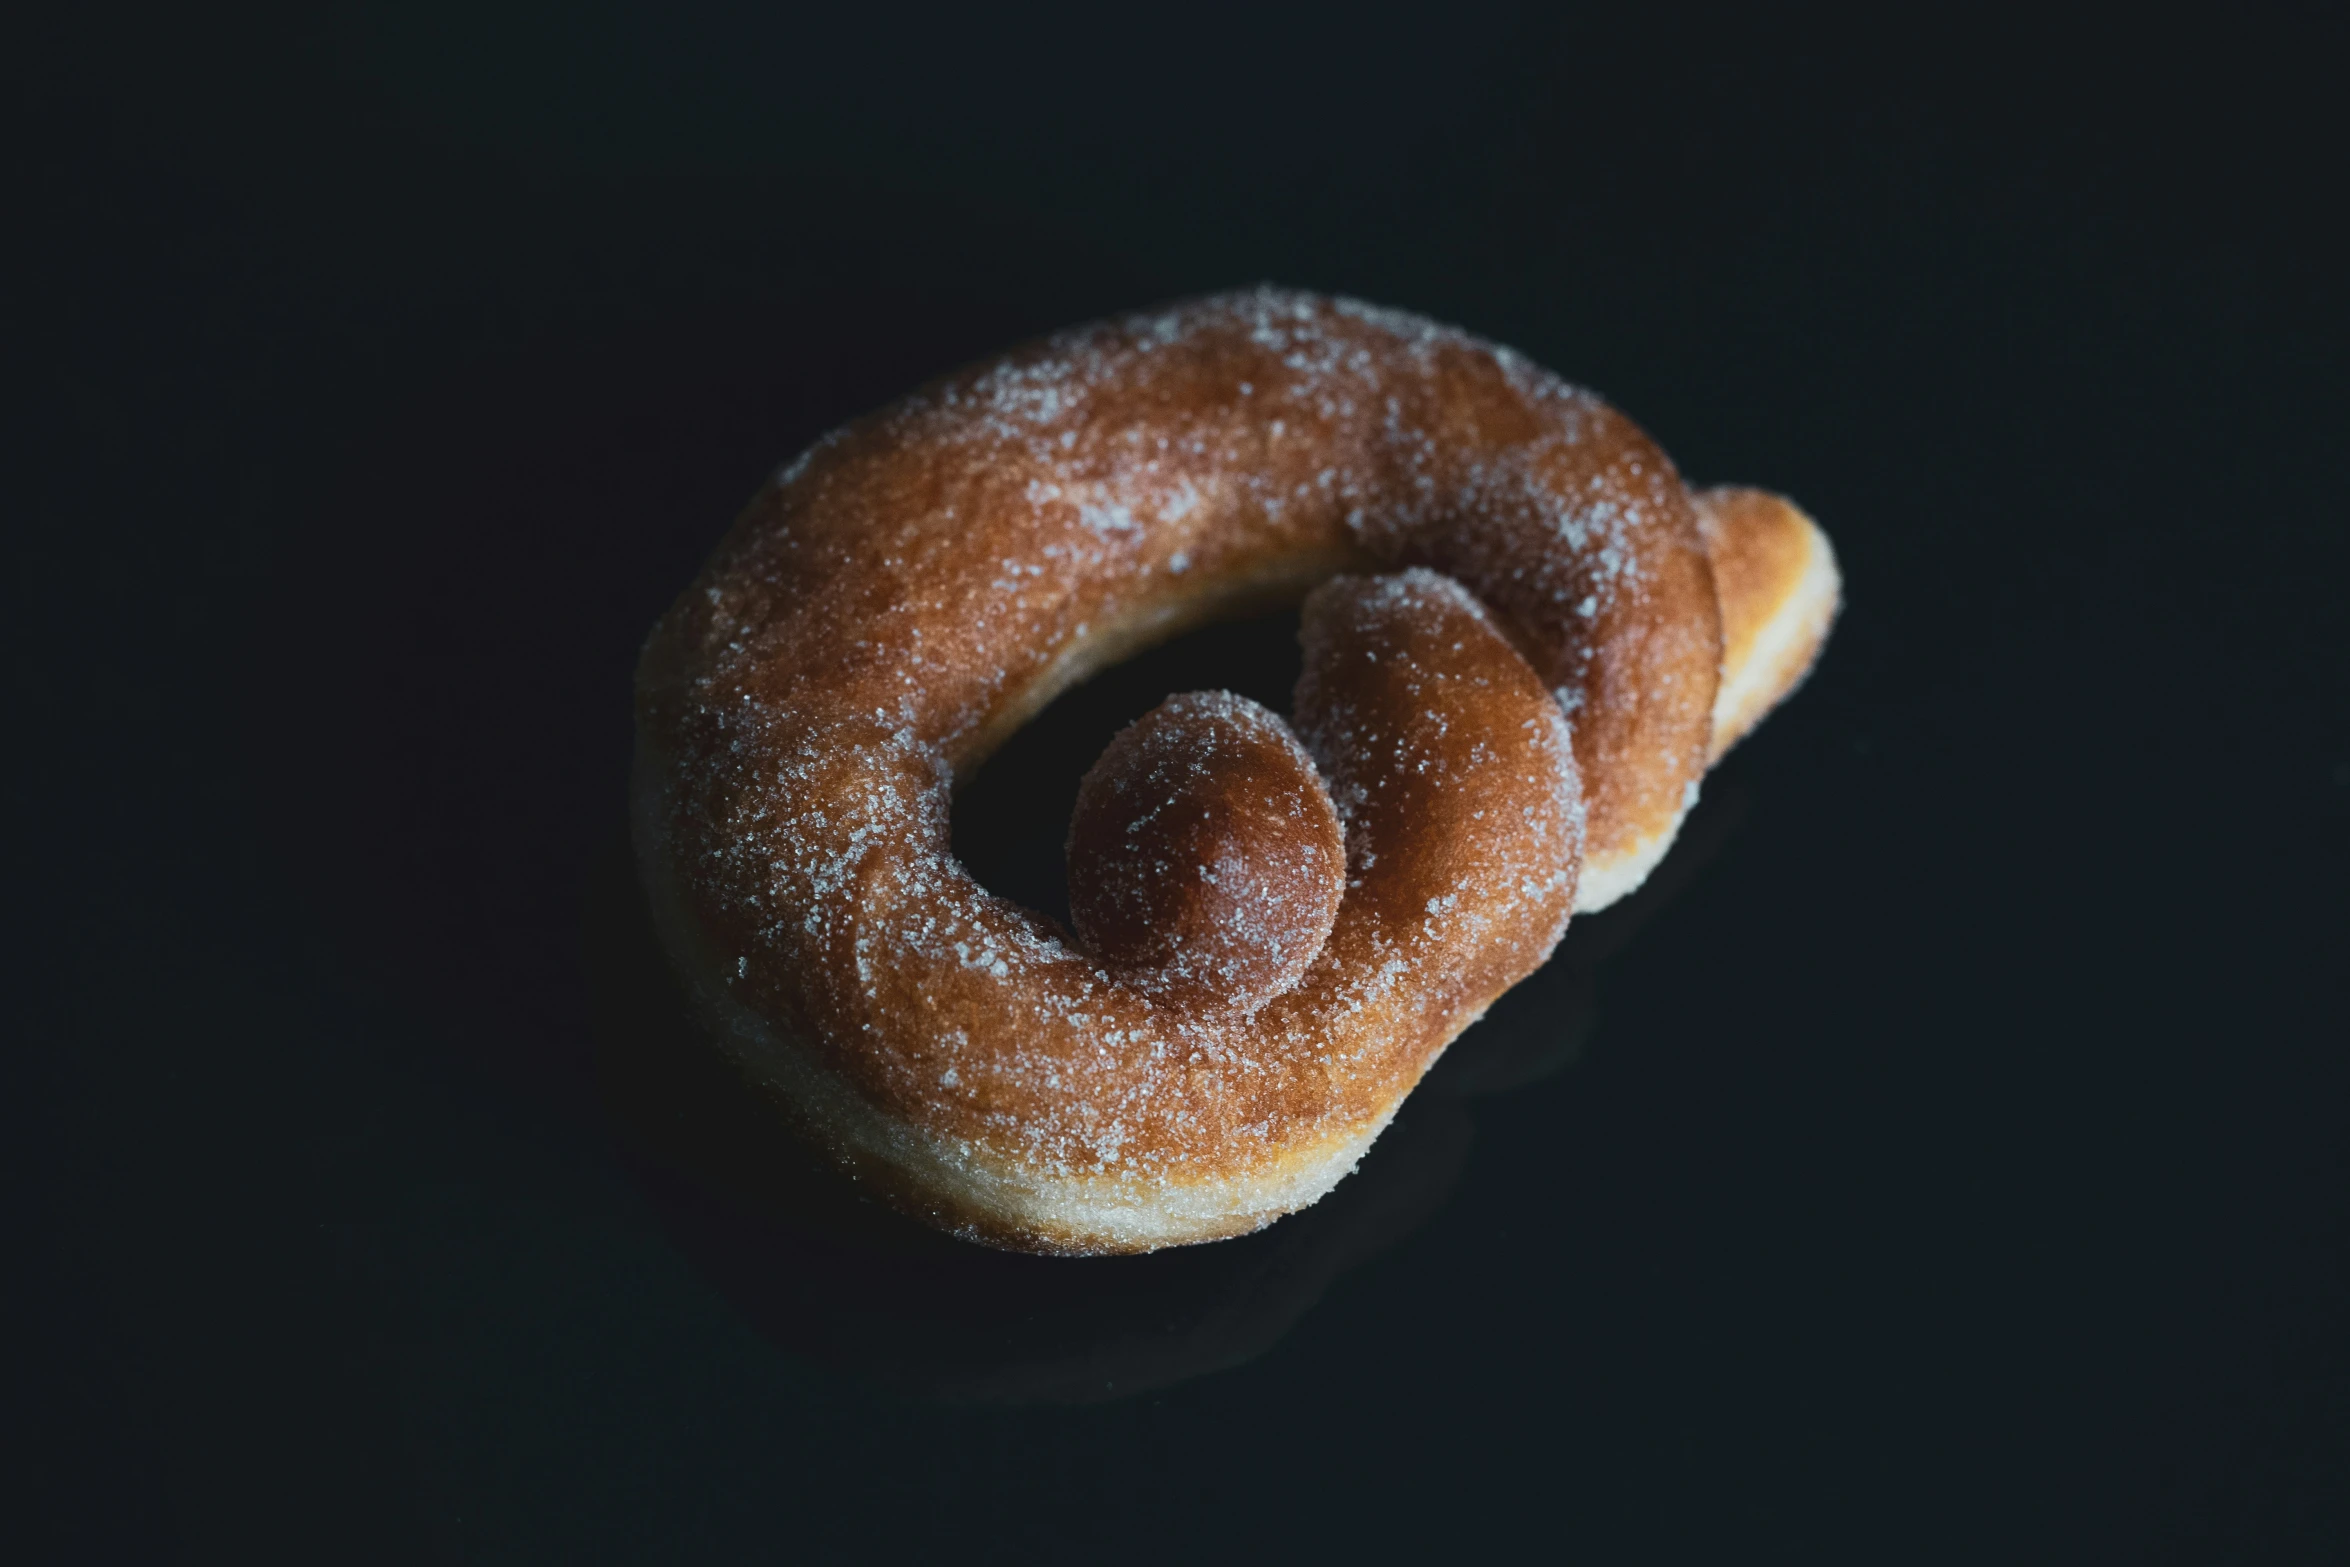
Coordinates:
(1944, 1162)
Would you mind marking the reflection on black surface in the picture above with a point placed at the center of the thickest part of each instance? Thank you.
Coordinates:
(822, 1271)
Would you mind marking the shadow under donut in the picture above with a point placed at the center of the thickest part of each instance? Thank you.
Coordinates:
(825, 1272)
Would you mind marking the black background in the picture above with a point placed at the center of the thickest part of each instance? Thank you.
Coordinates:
(1945, 1163)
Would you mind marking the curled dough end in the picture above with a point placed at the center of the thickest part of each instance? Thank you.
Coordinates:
(1205, 859)
(1776, 576)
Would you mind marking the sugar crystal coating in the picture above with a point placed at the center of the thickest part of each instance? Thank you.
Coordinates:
(1205, 860)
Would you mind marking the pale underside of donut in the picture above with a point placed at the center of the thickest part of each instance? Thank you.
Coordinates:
(1539, 642)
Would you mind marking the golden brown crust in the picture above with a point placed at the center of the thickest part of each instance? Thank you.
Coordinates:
(918, 583)
(1779, 589)
(1205, 859)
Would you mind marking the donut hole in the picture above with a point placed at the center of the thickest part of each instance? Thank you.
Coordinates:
(1205, 858)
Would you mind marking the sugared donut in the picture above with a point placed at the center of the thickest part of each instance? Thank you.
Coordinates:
(1514, 662)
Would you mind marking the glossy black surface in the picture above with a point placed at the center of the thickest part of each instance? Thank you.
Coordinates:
(1943, 1161)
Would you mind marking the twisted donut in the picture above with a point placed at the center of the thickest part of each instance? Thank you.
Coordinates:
(1524, 642)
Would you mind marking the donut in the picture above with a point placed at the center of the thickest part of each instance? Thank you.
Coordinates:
(1524, 642)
